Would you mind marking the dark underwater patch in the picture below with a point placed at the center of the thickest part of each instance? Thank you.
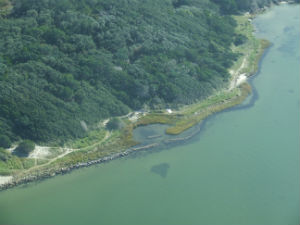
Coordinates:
(161, 169)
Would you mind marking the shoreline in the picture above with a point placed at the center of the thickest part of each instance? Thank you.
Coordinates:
(127, 148)
(45, 174)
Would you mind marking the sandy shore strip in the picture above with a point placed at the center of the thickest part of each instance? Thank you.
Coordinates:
(241, 79)
(5, 179)
(238, 77)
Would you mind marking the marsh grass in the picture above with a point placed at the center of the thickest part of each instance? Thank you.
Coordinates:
(92, 138)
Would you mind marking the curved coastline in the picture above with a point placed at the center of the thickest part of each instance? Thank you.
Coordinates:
(200, 127)
(44, 173)
(155, 145)
(254, 95)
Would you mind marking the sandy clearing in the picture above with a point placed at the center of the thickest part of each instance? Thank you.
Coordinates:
(39, 152)
(241, 79)
(104, 123)
(237, 77)
(12, 148)
(5, 179)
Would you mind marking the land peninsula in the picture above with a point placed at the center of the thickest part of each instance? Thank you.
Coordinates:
(101, 143)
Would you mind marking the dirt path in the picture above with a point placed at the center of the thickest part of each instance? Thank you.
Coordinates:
(67, 151)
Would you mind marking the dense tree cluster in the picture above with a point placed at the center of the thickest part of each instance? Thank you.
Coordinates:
(68, 62)
(4, 155)
(4, 141)
(24, 148)
(235, 6)
(113, 124)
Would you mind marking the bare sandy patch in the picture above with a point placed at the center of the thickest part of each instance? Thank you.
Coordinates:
(241, 79)
(5, 179)
(237, 77)
(39, 152)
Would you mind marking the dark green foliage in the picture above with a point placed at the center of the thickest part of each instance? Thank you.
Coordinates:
(4, 141)
(67, 61)
(227, 6)
(240, 39)
(113, 124)
(25, 147)
(3, 3)
(4, 155)
(235, 6)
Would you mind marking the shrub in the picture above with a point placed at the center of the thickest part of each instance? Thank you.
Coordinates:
(240, 39)
(4, 155)
(4, 141)
(113, 124)
(4, 3)
(25, 147)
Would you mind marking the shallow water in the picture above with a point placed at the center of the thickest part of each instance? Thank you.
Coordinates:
(241, 169)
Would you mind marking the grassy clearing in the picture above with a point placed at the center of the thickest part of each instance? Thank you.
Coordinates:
(14, 164)
(92, 138)
(41, 161)
(54, 152)
(118, 141)
(28, 163)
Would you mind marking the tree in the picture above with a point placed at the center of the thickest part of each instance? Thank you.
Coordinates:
(113, 124)
(240, 39)
(4, 155)
(4, 141)
(25, 147)
(4, 3)
(227, 6)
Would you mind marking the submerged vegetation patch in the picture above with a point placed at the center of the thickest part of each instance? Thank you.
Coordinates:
(160, 169)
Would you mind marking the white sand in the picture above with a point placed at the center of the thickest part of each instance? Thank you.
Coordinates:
(169, 110)
(5, 179)
(135, 116)
(104, 123)
(241, 79)
(237, 77)
(12, 148)
(39, 152)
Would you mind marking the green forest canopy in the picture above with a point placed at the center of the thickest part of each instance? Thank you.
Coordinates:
(65, 62)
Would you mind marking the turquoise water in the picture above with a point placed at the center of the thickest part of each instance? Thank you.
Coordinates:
(242, 169)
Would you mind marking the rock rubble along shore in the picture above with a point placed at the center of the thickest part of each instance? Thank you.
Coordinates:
(12, 182)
